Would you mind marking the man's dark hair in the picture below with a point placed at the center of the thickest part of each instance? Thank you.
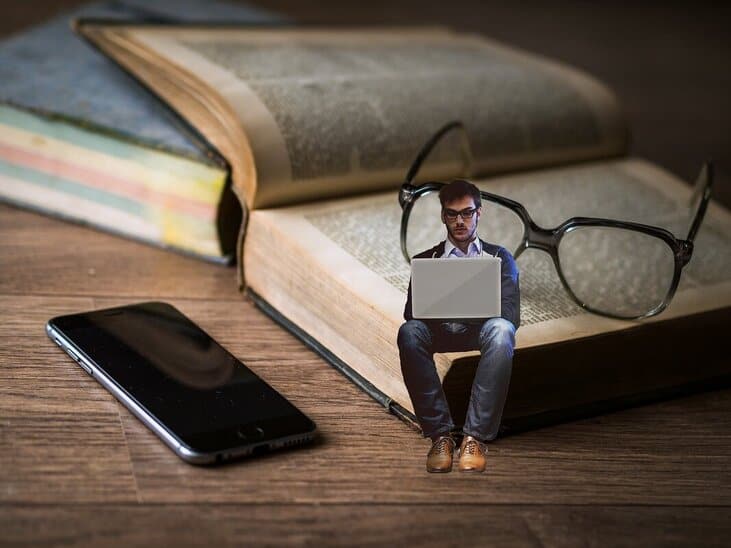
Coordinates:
(458, 188)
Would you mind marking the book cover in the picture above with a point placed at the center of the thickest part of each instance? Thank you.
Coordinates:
(82, 140)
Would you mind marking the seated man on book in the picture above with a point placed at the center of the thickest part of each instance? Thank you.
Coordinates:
(495, 338)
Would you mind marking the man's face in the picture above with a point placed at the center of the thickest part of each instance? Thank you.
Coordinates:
(461, 228)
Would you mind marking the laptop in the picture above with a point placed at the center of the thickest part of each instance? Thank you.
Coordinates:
(464, 288)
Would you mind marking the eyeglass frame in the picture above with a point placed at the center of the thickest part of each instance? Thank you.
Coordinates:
(466, 214)
(548, 239)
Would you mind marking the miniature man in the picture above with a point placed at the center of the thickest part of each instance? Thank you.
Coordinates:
(494, 337)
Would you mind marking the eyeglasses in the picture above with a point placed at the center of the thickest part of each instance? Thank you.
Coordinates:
(613, 268)
(466, 214)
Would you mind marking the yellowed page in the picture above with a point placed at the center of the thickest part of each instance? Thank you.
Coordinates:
(331, 113)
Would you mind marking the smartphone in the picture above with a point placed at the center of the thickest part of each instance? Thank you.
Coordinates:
(205, 404)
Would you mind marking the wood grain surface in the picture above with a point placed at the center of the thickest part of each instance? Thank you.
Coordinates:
(77, 469)
(365, 525)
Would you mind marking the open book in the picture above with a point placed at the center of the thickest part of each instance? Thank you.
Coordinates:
(319, 128)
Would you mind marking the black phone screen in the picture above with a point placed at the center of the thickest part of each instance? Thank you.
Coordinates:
(181, 376)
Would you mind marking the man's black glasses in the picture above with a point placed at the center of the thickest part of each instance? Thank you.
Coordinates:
(618, 269)
(466, 214)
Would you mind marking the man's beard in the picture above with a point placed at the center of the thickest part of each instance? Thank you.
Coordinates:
(463, 235)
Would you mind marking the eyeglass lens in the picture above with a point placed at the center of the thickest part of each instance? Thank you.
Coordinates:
(616, 271)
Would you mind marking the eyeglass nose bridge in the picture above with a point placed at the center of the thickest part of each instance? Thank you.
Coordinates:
(537, 237)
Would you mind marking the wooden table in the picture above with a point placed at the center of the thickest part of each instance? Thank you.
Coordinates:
(76, 466)
(77, 469)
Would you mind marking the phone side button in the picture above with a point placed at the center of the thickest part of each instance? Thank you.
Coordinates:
(85, 367)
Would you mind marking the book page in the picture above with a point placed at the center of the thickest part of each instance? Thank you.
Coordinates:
(357, 240)
(330, 113)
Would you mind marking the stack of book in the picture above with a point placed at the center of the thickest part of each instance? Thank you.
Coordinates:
(315, 128)
(81, 139)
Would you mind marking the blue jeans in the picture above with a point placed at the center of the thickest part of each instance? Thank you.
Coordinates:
(418, 341)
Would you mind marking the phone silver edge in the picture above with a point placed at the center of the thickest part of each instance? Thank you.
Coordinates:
(179, 448)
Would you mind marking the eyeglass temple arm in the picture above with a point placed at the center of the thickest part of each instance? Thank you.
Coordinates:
(429, 145)
(703, 186)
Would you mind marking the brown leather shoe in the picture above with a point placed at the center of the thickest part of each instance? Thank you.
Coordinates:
(439, 459)
(472, 455)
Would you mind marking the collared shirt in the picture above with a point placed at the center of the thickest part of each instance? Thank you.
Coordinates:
(474, 249)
